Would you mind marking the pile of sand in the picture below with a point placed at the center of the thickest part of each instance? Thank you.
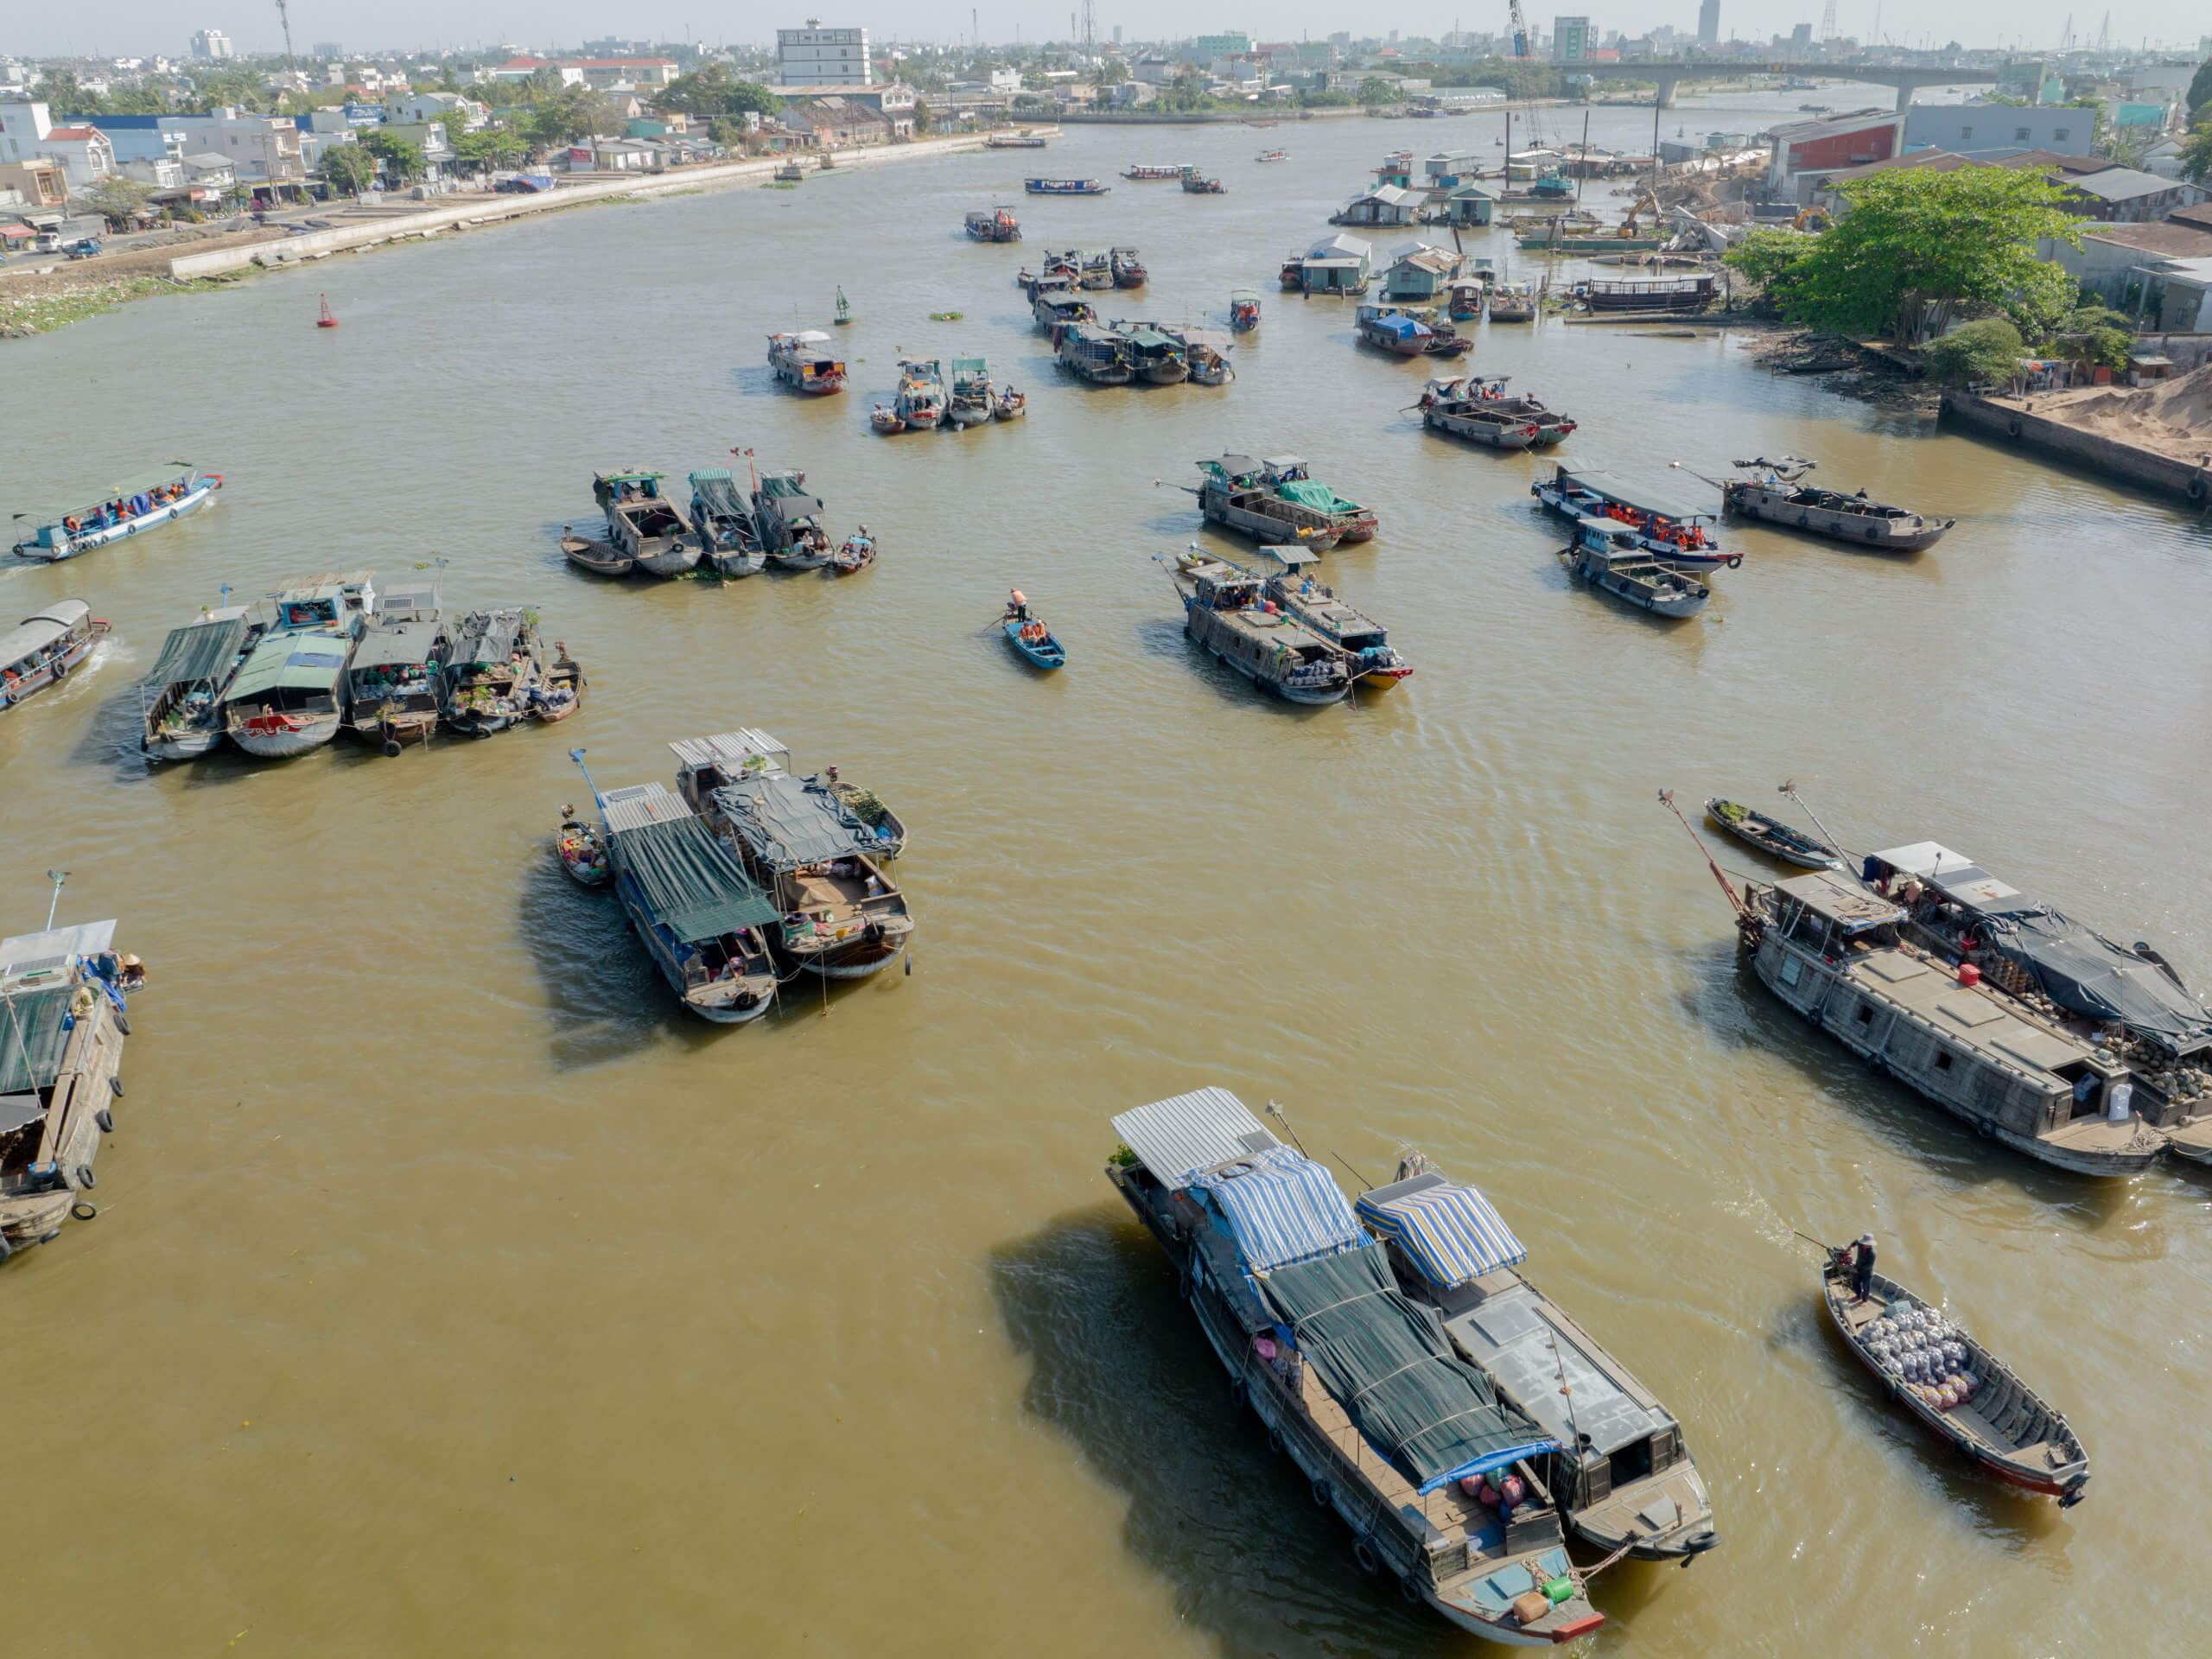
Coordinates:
(2173, 417)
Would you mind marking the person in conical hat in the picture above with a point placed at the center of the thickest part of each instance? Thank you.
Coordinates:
(1862, 1268)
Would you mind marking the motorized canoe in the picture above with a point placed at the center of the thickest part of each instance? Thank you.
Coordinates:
(1033, 641)
(1957, 1387)
(1771, 836)
(582, 851)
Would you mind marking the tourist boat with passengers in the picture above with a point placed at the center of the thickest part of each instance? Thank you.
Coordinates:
(1374, 661)
(1226, 610)
(1027, 632)
(1237, 495)
(1244, 309)
(1064, 186)
(843, 915)
(804, 362)
(722, 516)
(788, 521)
(643, 524)
(1778, 493)
(1955, 1387)
(1990, 1003)
(1665, 523)
(44, 649)
(116, 511)
(395, 680)
(703, 920)
(494, 664)
(1164, 173)
(972, 399)
(286, 697)
(1610, 557)
(993, 224)
(1356, 1381)
(63, 1021)
(180, 695)
(1289, 477)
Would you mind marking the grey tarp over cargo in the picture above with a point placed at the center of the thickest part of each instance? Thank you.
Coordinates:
(197, 651)
(2080, 971)
(691, 883)
(718, 494)
(788, 822)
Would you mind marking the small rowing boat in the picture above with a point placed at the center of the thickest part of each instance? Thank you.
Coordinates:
(1028, 635)
(1957, 1387)
(601, 558)
(857, 555)
(582, 851)
(1771, 836)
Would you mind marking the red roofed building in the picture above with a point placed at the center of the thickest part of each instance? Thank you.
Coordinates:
(28, 133)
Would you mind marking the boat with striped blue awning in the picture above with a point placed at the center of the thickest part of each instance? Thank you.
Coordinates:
(1356, 1380)
(1620, 1471)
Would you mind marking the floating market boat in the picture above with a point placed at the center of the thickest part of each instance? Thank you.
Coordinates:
(1488, 393)
(1778, 493)
(973, 398)
(1771, 835)
(1464, 302)
(1619, 1472)
(1225, 610)
(601, 558)
(44, 649)
(286, 697)
(1238, 495)
(1399, 331)
(1610, 557)
(1375, 662)
(1355, 1383)
(1058, 312)
(560, 690)
(1291, 478)
(395, 680)
(1027, 633)
(1448, 406)
(1010, 404)
(856, 554)
(1064, 186)
(581, 850)
(1205, 353)
(1957, 1387)
(921, 399)
(1153, 357)
(62, 1026)
(1140, 170)
(1512, 303)
(181, 695)
(721, 515)
(1128, 269)
(886, 420)
(804, 362)
(1199, 184)
(1665, 523)
(703, 921)
(1099, 355)
(1098, 273)
(644, 524)
(993, 224)
(1244, 309)
(491, 667)
(789, 521)
(116, 511)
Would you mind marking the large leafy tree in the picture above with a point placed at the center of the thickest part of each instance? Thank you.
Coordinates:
(1916, 248)
(2200, 88)
(349, 167)
(487, 147)
(2197, 154)
(569, 117)
(711, 91)
(117, 199)
(403, 158)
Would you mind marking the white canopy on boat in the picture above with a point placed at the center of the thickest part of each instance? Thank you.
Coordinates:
(1925, 858)
(29, 953)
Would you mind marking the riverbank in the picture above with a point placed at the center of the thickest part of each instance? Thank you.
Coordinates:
(2053, 427)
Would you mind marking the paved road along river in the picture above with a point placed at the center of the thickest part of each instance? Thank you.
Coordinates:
(453, 1293)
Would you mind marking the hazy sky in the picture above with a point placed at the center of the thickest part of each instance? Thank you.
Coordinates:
(133, 26)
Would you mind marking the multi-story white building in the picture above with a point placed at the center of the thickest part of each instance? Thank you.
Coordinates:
(210, 45)
(815, 56)
(1572, 39)
(27, 133)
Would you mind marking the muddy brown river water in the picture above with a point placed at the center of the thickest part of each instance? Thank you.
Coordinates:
(453, 1293)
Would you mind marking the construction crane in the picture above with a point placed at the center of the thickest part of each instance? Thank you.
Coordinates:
(287, 17)
(1520, 29)
(1827, 23)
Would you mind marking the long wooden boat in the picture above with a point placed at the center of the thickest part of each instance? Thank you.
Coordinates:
(601, 558)
(921, 400)
(1670, 526)
(702, 918)
(45, 648)
(1064, 186)
(1445, 408)
(993, 224)
(804, 362)
(1097, 354)
(1057, 309)
(62, 1026)
(1610, 559)
(1206, 352)
(581, 851)
(728, 542)
(1512, 303)
(1291, 478)
(788, 521)
(1488, 396)
(1226, 611)
(1097, 272)
(705, 763)
(1692, 293)
(1771, 836)
(116, 511)
(1397, 331)
(1394, 1430)
(1778, 494)
(395, 679)
(1029, 635)
(181, 695)
(1013, 141)
(493, 665)
(1128, 269)
(1957, 1388)
(972, 399)
(642, 522)
(286, 697)
(1167, 172)
(1154, 357)
(1238, 495)
(1375, 662)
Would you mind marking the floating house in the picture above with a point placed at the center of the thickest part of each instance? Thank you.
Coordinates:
(1469, 205)
(1420, 272)
(1337, 264)
(1448, 169)
(1385, 205)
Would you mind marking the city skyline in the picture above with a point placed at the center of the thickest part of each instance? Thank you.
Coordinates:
(138, 28)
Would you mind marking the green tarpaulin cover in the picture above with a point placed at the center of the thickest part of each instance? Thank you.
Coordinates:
(1319, 497)
(692, 883)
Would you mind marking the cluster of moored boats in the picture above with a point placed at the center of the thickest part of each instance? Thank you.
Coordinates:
(933, 397)
(731, 529)
(1120, 352)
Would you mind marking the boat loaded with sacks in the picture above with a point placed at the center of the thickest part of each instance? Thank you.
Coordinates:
(1356, 1381)
(62, 1026)
(1778, 493)
(1226, 610)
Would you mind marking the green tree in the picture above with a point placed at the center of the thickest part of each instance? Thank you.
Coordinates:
(58, 90)
(485, 148)
(923, 121)
(1767, 255)
(2197, 154)
(1916, 248)
(1978, 353)
(569, 117)
(2199, 88)
(349, 167)
(117, 199)
(403, 158)
(712, 90)
(1375, 89)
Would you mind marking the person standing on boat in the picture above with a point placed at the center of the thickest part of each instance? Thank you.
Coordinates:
(1862, 1267)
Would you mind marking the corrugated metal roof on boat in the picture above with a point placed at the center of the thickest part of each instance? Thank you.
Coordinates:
(640, 804)
(730, 749)
(1190, 1132)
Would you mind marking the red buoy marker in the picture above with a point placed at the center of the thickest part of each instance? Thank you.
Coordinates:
(326, 320)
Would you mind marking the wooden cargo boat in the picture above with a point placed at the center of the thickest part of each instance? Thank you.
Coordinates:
(44, 649)
(395, 679)
(921, 400)
(181, 695)
(1291, 478)
(1153, 357)
(1063, 186)
(972, 400)
(804, 362)
(1237, 495)
(1374, 661)
(1099, 355)
(993, 224)
(1199, 184)
(1058, 311)
(1669, 525)
(1771, 835)
(286, 697)
(1621, 1476)
(1225, 611)
(62, 1026)
(704, 763)
(117, 512)
(493, 665)
(1957, 1387)
(1445, 407)
(1205, 353)
(1097, 272)
(702, 919)
(1608, 557)
(1779, 495)
(601, 558)
(1128, 269)
(1512, 303)
(1354, 1382)
(1651, 294)
(1401, 333)
(788, 521)
(722, 516)
(643, 524)
(1488, 396)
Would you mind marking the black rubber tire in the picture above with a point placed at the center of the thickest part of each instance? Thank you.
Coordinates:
(1364, 1553)
(122, 1023)
(84, 1210)
(48, 1238)
(106, 1119)
(1735, 561)
(390, 746)
(85, 1180)
(1321, 1493)
(2198, 487)
(1240, 1394)
(1409, 1587)
(115, 1087)
(2012, 429)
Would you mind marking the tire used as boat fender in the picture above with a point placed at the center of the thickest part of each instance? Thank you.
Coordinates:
(86, 1178)
(1409, 1587)
(106, 1119)
(390, 746)
(2198, 487)
(1363, 1552)
(1275, 1442)
(1321, 1493)
(84, 1210)
(122, 1023)
(2012, 428)
(1240, 1394)
(1735, 561)
(115, 1087)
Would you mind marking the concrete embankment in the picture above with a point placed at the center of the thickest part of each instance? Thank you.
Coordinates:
(285, 251)
(2011, 421)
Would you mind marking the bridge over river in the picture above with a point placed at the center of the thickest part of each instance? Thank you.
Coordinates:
(1670, 73)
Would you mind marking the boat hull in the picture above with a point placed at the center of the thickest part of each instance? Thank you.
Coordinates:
(1166, 374)
(53, 674)
(1497, 434)
(601, 558)
(280, 739)
(1046, 654)
(964, 416)
(737, 563)
(1312, 696)
(186, 746)
(85, 541)
(1870, 532)
(672, 561)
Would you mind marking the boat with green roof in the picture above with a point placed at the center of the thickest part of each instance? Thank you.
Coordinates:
(116, 511)
(285, 698)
